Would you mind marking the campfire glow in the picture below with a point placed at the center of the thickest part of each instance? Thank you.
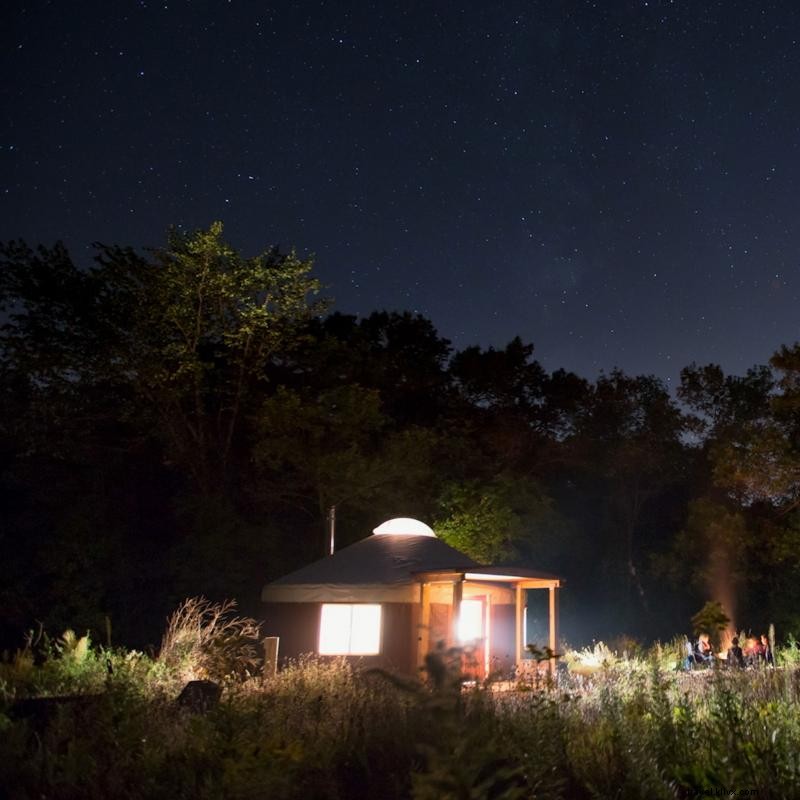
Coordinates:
(726, 639)
(722, 590)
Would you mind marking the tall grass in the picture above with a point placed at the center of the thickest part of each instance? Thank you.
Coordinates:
(322, 728)
(207, 640)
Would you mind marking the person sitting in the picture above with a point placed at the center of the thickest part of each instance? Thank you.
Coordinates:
(766, 649)
(703, 653)
(689, 659)
(735, 654)
(754, 653)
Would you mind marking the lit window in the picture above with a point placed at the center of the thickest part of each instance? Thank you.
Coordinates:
(470, 621)
(350, 630)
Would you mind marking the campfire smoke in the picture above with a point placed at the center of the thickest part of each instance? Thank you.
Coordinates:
(722, 590)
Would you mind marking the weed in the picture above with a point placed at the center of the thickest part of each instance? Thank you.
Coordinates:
(205, 640)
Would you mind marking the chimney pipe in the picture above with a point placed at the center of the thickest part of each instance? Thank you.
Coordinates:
(332, 528)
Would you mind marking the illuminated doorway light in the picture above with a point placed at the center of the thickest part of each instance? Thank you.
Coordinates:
(470, 621)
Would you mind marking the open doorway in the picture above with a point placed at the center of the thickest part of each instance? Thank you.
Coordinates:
(473, 635)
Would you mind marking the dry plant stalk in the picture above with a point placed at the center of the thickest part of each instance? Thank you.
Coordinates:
(205, 640)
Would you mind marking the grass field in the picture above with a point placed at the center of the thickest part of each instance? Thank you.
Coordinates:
(624, 728)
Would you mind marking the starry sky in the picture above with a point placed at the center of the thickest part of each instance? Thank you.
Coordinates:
(616, 182)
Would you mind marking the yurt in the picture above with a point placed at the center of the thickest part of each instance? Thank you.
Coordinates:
(390, 598)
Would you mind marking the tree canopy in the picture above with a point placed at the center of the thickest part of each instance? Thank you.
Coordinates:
(179, 421)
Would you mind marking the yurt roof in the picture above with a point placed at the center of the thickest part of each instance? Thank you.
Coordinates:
(379, 568)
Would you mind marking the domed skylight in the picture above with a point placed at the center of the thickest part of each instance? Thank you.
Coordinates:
(403, 526)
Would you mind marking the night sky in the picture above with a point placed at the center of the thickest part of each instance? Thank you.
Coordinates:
(616, 182)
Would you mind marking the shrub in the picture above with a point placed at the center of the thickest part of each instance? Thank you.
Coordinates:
(48, 667)
(789, 654)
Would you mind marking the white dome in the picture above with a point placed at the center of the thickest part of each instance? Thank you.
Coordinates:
(403, 526)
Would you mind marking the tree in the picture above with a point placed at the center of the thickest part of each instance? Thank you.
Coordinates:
(745, 527)
(507, 378)
(399, 354)
(710, 554)
(752, 427)
(722, 402)
(502, 520)
(502, 406)
(628, 442)
(710, 619)
(181, 340)
(337, 448)
(211, 322)
(128, 389)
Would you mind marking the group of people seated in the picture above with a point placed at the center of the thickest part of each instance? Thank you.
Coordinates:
(757, 652)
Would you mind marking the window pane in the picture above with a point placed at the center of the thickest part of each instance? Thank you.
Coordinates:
(334, 630)
(365, 637)
(347, 629)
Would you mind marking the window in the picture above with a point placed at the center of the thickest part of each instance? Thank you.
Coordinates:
(350, 630)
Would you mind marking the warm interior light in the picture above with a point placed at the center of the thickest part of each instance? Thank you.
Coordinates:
(470, 620)
(350, 629)
(405, 526)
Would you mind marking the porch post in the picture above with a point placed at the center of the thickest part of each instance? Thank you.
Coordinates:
(424, 637)
(458, 594)
(553, 643)
(270, 656)
(519, 621)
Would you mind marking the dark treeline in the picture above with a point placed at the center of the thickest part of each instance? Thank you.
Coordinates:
(178, 423)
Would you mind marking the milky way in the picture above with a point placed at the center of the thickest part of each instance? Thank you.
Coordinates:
(613, 181)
